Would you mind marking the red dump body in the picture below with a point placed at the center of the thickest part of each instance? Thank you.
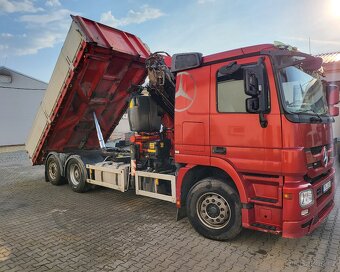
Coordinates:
(101, 69)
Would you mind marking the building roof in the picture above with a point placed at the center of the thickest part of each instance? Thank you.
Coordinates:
(13, 80)
(2, 68)
(330, 57)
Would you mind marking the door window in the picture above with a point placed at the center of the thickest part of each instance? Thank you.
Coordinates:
(231, 96)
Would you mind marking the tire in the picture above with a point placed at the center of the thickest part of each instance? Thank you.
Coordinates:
(53, 171)
(214, 209)
(76, 175)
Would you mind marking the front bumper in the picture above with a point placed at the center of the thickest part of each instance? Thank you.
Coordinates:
(294, 224)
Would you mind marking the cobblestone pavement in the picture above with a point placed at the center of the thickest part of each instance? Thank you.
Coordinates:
(49, 228)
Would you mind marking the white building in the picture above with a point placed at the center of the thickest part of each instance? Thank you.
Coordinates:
(122, 130)
(20, 96)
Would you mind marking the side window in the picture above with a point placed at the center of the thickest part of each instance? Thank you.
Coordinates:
(230, 92)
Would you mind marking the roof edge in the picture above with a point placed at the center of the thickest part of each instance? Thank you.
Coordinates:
(12, 70)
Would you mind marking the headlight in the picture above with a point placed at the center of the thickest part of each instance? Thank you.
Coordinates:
(306, 198)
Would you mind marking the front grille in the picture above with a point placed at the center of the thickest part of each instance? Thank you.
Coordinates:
(317, 149)
(319, 191)
(317, 178)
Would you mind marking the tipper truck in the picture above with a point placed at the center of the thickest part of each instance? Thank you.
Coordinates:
(237, 139)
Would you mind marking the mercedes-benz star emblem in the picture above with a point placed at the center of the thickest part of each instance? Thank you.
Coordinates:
(187, 95)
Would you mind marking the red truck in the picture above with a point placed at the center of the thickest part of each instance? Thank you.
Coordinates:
(241, 138)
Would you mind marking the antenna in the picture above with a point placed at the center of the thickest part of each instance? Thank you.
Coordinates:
(310, 52)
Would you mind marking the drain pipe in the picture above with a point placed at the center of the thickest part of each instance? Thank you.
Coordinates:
(99, 132)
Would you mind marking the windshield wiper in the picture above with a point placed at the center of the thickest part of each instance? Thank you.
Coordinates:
(316, 118)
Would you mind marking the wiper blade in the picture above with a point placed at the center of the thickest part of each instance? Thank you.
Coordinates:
(316, 119)
(313, 119)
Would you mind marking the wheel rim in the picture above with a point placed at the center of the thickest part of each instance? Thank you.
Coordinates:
(213, 210)
(52, 170)
(75, 174)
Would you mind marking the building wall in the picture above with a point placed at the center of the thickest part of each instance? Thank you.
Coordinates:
(19, 101)
(122, 130)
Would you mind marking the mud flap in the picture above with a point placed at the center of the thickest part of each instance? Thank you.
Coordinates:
(181, 213)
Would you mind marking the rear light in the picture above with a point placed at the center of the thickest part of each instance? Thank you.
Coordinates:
(306, 198)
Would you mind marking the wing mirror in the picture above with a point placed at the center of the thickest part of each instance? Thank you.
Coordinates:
(256, 86)
(332, 94)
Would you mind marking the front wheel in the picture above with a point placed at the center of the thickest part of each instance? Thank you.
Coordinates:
(214, 209)
(76, 175)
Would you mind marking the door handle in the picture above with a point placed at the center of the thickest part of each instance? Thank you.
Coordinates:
(221, 150)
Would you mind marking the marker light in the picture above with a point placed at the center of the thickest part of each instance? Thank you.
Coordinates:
(304, 212)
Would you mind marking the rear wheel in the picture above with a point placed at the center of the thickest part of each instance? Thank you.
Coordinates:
(76, 175)
(214, 209)
(53, 170)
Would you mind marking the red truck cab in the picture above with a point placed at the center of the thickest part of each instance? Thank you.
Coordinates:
(278, 156)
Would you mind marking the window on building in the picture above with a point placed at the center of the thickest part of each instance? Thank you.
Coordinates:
(4, 78)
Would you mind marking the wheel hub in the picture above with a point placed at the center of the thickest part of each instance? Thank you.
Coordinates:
(75, 174)
(213, 210)
(52, 170)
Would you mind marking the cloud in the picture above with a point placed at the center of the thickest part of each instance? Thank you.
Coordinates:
(8, 6)
(205, 1)
(40, 30)
(313, 40)
(38, 19)
(3, 47)
(6, 35)
(146, 13)
(53, 3)
(46, 30)
(38, 42)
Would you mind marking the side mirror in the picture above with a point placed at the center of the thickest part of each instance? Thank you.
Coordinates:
(184, 61)
(252, 105)
(251, 82)
(256, 86)
(332, 94)
(333, 111)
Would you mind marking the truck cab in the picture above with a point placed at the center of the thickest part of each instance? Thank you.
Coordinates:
(259, 119)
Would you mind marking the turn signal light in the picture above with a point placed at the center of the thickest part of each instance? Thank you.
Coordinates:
(288, 196)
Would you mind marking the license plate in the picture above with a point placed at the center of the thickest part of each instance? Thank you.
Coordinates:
(327, 186)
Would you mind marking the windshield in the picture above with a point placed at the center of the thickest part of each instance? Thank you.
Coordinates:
(302, 92)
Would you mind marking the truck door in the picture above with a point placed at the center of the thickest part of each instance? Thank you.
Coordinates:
(237, 136)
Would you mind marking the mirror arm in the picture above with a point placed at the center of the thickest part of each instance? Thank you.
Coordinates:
(263, 120)
(260, 61)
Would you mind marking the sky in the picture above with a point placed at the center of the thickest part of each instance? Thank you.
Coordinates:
(32, 31)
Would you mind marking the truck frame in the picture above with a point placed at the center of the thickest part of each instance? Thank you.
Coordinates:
(241, 138)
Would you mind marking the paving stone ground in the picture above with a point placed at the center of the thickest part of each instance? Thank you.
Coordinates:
(49, 228)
